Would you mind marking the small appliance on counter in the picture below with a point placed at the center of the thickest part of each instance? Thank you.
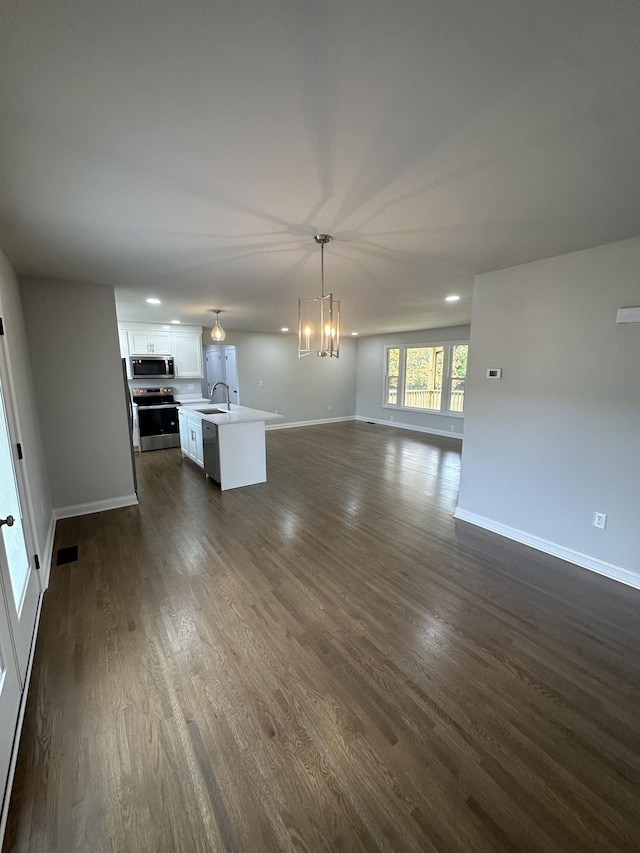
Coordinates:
(157, 418)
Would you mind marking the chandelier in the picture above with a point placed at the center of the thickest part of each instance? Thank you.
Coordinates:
(319, 318)
(217, 333)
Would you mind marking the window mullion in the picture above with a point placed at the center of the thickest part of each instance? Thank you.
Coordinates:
(402, 372)
(447, 368)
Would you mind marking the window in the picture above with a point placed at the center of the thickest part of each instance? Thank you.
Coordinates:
(393, 366)
(457, 377)
(426, 378)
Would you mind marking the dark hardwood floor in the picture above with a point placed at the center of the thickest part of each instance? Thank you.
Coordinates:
(325, 662)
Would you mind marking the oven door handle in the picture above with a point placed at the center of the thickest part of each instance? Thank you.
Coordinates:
(161, 406)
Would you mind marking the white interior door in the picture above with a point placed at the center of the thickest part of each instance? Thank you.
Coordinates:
(231, 373)
(215, 374)
(18, 576)
(9, 696)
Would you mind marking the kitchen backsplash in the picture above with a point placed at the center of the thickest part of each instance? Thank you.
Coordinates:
(180, 386)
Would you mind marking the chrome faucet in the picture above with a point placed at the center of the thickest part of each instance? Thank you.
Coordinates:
(224, 385)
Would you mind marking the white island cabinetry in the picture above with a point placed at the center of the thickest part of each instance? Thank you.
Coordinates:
(230, 444)
(191, 436)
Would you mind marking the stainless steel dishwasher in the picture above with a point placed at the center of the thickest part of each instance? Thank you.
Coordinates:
(211, 450)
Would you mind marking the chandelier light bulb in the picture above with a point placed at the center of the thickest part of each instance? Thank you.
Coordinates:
(217, 333)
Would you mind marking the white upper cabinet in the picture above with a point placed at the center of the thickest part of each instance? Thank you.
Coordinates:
(124, 344)
(149, 343)
(124, 350)
(184, 344)
(186, 348)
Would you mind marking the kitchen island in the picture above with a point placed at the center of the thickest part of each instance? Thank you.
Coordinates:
(229, 444)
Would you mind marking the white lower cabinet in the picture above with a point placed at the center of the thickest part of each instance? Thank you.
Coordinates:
(191, 437)
(183, 427)
(195, 432)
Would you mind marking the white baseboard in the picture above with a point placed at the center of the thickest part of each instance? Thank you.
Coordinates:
(47, 554)
(18, 732)
(94, 506)
(310, 423)
(412, 427)
(601, 567)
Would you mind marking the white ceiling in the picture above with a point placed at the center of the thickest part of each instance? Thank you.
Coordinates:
(191, 150)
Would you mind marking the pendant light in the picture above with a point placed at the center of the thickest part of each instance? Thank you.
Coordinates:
(319, 318)
(217, 333)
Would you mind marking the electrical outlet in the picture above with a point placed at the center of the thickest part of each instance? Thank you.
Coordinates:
(452, 428)
(190, 386)
(329, 407)
(260, 383)
(390, 417)
(600, 520)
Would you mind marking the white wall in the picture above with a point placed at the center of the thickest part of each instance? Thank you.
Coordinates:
(370, 380)
(299, 389)
(26, 411)
(559, 436)
(73, 340)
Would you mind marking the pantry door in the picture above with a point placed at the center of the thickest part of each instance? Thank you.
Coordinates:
(18, 575)
(214, 373)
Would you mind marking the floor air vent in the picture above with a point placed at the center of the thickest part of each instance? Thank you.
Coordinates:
(67, 555)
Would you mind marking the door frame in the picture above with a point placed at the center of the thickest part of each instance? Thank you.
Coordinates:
(26, 504)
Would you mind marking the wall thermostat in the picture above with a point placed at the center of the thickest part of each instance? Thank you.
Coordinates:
(494, 373)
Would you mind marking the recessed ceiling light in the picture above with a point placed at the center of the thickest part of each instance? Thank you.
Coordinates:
(175, 322)
(284, 329)
(452, 298)
(153, 301)
(354, 334)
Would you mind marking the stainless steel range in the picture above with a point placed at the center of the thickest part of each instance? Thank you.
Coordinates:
(157, 418)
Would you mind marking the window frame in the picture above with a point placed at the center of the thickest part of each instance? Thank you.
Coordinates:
(445, 398)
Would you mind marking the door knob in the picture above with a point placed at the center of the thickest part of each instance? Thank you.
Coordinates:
(9, 521)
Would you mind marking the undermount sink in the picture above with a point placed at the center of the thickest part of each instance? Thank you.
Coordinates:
(209, 410)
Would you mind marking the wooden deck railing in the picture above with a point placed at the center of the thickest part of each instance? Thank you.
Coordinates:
(429, 400)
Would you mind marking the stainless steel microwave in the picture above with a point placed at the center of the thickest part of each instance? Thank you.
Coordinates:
(152, 367)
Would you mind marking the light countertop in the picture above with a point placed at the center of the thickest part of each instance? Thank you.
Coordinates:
(237, 415)
(191, 398)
